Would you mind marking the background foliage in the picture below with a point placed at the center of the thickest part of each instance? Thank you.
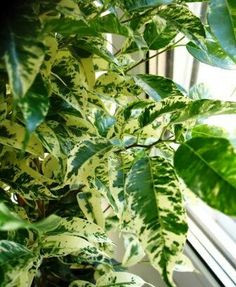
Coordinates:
(84, 151)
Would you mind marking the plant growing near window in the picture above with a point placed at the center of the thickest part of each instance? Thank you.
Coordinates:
(83, 151)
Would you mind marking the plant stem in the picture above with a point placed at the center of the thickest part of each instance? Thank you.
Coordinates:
(155, 55)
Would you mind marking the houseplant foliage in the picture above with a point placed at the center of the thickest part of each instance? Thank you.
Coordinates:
(83, 151)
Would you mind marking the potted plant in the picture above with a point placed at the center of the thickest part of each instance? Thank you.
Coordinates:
(83, 151)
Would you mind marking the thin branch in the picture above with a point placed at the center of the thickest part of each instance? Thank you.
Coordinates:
(155, 55)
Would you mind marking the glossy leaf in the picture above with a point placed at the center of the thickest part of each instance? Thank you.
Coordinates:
(222, 20)
(154, 196)
(23, 60)
(207, 165)
(199, 91)
(157, 87)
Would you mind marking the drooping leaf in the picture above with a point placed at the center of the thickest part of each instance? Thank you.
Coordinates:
(34, 105)
(132, 5)
(157, 87)
(157, 212)
(23, 59)
(207, 165)
(158, 33)
(222, 20)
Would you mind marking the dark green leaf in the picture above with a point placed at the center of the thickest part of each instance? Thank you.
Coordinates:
(23, 59)
(207, 165)
(157, 87)
(69, 27)
(208, 131)
(158, 33)
(222, 20)
(110, 24)
(34, 105)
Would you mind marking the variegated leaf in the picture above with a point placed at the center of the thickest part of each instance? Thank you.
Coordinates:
(90, 203)
(122, 279)
(133, 250)
(23, 59)
(158, 87)
(17, 264)
(203, 108)
(83, 228)
(12, 134)
(84, 158)
(184, 20)
(156, 207)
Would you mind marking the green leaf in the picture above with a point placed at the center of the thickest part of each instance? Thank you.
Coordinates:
(23, 59)
(158, 33)
(207, 165)
(157, 87)
(208, 131)
(69, 27)
(222, 20)
(110, 23)
(184, 20)
(211, 53)
(9, 220)
(131, 5)
(35, 104)
(155, 203)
